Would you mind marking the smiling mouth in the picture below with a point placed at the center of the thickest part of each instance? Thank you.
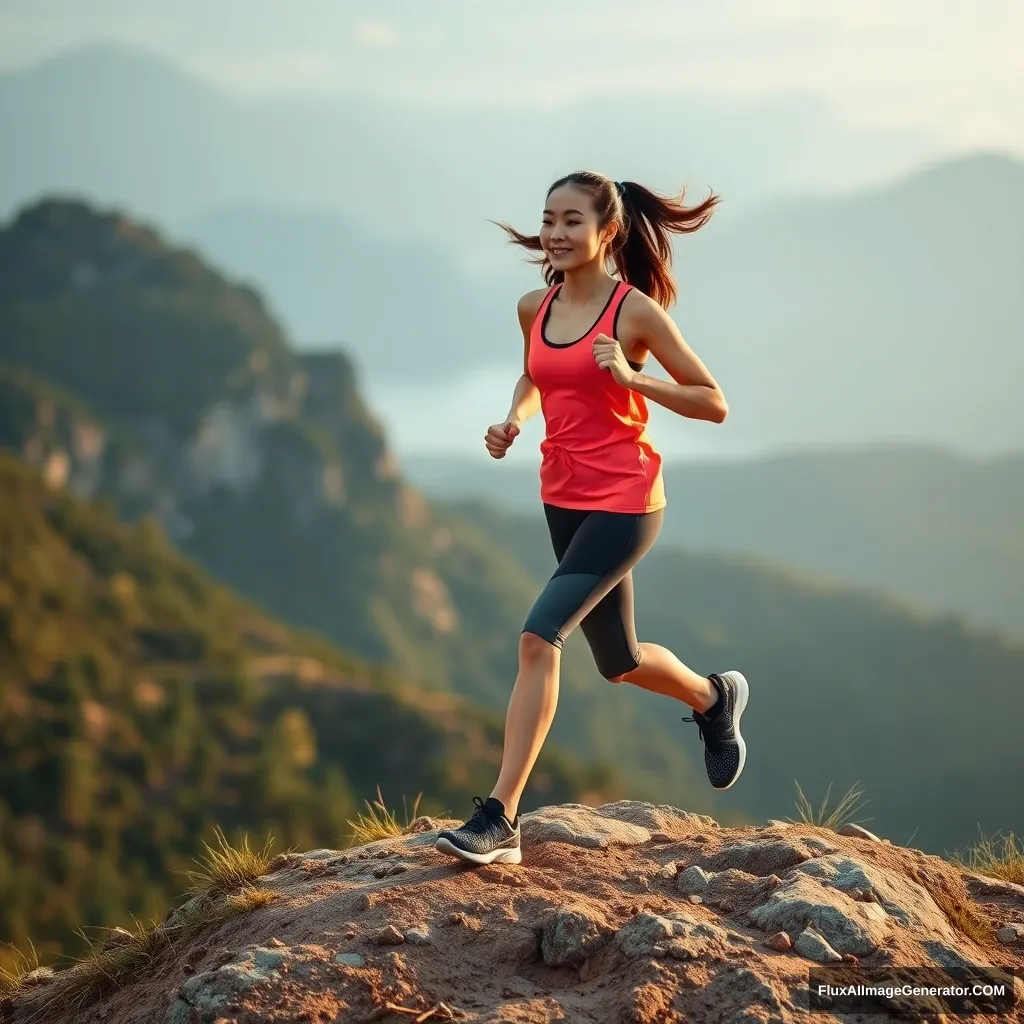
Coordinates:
(560, 252)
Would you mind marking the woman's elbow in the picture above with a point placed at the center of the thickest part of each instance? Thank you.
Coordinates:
(719, 408)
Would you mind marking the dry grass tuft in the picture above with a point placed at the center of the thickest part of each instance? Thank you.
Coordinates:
(959, 909)
(222, 888)
(379, 823)
(17, 965)
(250, 898)
(986, 858)
(841, 815)
(101, 970)
(227, 868)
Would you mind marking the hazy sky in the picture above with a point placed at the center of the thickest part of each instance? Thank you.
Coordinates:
(953, 67)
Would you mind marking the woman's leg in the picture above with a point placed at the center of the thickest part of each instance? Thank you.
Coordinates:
(531, 710)
(595, 550)
(718, 700)
(611, 634)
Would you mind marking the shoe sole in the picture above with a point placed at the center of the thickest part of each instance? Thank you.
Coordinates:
(742, 693)
(507, 855)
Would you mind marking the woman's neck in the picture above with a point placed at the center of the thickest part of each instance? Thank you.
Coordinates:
(585, 285)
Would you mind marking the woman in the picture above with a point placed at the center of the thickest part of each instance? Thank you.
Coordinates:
(586, 340)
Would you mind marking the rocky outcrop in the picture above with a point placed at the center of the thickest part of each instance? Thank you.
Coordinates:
(625, 912)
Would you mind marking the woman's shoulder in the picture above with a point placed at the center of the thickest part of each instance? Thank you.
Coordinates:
(640, 309)
(530, 303)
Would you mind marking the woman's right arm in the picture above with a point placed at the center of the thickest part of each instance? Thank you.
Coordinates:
(526, 397)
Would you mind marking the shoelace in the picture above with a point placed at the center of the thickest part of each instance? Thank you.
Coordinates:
(700, 728)
(480, 822)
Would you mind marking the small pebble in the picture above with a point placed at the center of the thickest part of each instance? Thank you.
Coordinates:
(350, 959)
(390, 936)
(779, 941)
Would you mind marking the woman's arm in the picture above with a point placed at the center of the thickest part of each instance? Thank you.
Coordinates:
(692, 392)
(526, 396)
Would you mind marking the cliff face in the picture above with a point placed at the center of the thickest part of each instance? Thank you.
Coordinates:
(132, 371)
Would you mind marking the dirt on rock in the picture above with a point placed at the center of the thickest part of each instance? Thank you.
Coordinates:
(631, 912)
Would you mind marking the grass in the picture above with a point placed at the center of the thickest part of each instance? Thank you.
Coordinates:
(221, 888)
(379, 823)
(227, 868)
(20, 964)
(101, 970)
(841, 815)
(986, 858)
(250, 898)
(963, 917)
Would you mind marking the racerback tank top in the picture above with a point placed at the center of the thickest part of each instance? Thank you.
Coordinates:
(596, 454)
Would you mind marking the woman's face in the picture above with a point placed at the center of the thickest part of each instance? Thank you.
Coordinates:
(569, 231)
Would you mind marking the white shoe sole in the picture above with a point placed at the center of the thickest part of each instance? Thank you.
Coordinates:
(513, 855)
(742, 693)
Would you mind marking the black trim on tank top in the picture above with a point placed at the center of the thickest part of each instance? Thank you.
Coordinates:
(615, 332)
(569, 344)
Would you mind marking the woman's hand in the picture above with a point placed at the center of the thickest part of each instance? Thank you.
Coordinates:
(608, 355)
(500, 436)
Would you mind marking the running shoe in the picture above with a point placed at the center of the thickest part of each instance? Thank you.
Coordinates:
(725, 753)
(487, 838)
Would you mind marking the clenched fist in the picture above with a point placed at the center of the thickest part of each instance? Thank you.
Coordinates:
(500, 436)
(609, 356)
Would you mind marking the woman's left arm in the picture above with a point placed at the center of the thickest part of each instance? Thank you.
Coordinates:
(692, 392)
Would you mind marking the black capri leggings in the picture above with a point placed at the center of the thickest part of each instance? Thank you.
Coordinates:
(593, 584)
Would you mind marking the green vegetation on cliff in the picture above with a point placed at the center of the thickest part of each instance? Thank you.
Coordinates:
(142, 705)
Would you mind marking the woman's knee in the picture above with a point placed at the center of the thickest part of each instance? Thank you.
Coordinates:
(535, 649)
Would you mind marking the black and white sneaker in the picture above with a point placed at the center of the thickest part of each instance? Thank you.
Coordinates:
(725, 753)
(487, 838)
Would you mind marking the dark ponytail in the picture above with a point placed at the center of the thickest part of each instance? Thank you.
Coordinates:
(641, 250)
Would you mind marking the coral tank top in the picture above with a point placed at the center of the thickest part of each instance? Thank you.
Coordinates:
(596, 454)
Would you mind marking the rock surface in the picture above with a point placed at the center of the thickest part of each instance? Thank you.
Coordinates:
(627, 912)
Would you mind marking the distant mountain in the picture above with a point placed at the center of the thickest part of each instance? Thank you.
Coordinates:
(142, 705)
(399, 307)
(935, 528)
(861, 320)
(124, 125)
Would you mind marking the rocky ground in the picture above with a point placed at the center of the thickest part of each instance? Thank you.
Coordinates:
(627, 912)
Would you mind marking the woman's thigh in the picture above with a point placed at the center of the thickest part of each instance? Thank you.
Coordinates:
(598, 551)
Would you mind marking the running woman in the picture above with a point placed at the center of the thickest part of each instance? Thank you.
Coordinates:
(587, 337)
